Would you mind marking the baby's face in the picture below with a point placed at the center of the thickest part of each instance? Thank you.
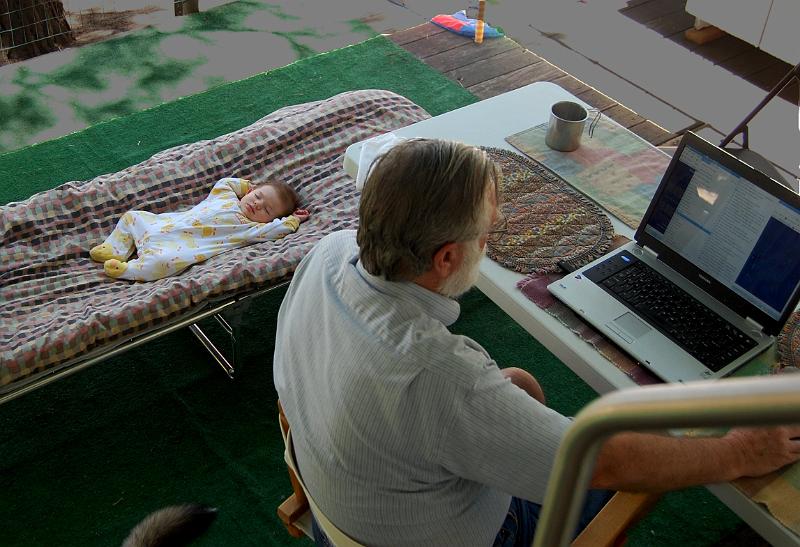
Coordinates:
(263, 204)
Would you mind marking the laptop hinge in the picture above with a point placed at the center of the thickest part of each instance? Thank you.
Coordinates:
(755, 324)
(650, 251)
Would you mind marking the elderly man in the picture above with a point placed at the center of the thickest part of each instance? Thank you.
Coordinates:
(406, 434)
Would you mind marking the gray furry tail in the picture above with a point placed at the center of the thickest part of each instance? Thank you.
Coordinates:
(173, 526)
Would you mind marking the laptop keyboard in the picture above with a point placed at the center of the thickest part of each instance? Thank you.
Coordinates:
(686, 321)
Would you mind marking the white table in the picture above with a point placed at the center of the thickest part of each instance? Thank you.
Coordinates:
(487, 123)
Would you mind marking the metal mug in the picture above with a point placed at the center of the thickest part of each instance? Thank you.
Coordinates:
(567, 121)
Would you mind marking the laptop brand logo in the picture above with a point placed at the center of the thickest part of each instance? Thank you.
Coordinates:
(704, 279)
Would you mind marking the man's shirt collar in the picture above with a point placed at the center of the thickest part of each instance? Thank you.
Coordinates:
(439, 307)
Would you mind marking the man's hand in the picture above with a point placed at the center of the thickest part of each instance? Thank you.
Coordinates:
(301, 215)
(765, 449)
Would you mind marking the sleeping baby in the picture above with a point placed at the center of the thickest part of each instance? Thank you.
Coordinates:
(234, 214)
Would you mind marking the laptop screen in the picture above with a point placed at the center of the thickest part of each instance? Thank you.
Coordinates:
(734, 230)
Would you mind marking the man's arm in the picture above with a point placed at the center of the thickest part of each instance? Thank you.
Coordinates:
(647, 462)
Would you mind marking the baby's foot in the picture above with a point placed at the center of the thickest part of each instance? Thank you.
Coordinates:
(115, 268)
(103, 252)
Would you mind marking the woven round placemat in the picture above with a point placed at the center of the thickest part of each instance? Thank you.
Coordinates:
(789, 342)
(544, 220)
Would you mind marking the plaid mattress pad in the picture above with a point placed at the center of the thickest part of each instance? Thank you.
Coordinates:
(57, 305)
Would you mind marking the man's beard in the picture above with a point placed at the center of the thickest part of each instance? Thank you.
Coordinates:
(465, 277)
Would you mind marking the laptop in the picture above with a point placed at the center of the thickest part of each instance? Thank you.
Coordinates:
(712, 275)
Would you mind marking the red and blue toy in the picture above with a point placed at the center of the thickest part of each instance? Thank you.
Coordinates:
(463, 25)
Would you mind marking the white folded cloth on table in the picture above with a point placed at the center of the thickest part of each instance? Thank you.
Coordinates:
(372, 150)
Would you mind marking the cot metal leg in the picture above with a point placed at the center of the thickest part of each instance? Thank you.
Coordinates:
(232, 330)
(233, 334)
(231, 326)
(218, 356)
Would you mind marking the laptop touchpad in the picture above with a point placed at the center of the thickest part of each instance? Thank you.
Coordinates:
(631, 325)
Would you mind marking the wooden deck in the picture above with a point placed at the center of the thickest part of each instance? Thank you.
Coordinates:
(669, 19)
(500, 65)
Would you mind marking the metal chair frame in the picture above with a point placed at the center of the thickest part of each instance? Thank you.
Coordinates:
(742, 127)
(721, 403)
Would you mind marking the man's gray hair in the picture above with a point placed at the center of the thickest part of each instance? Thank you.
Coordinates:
(420, 195)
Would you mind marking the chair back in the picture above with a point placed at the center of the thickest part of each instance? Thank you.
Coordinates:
(335, 536)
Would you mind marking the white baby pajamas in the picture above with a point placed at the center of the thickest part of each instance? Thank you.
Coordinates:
(168, 243)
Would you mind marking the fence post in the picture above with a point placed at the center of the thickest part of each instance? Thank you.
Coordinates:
(185, 7)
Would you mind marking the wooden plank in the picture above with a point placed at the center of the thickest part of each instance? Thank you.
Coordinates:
(654, 9)
(436, 43)
(486, 69)
(723, 49)
(680, 39)
(749, 62)
(597, 99)
(623, 115)
(420, 32)
(571, 84)
(791, 92)
(538, 72)
(674, 141)
(469, 53)
(768, 78)
(652, 133)
(539, 58)
(547, 72)
(672, 23)
(633, 4)
(612, 523)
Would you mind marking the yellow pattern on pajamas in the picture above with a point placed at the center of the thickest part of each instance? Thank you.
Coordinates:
(168, 243)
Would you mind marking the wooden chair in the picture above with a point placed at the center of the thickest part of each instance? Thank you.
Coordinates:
(609, 526)
(296, 511)
(606, 530)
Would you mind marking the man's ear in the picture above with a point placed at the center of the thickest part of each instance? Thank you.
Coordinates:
(447, 259)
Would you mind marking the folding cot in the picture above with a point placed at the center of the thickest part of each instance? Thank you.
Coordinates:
(59, 313)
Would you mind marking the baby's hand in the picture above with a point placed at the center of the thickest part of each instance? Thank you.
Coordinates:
(301, 214)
